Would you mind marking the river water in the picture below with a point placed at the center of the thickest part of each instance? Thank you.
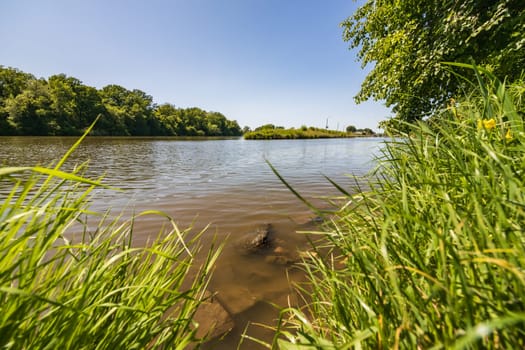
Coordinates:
(226, 184)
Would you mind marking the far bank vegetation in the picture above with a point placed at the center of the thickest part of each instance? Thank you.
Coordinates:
(270, 132)
(64, 106)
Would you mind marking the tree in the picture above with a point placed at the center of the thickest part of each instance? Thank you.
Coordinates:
(30, 111)
(169, 118)
(351, 128)
(140, 113)
(63, 105)
(266, 127)
(368, 131)
(231, 128)
(408, 41)
(12, 83)
(114, 99)
(88, 106)
(131, 109)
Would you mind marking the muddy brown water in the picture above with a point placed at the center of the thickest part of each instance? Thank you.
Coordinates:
(224, 184)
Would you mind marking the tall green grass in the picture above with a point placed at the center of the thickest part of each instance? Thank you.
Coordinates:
(433, 256)
(65, 284)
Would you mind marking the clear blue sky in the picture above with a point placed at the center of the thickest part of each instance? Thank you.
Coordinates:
(256, 61)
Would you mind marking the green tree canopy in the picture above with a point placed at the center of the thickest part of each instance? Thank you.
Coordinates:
(74, 105)
(12, 83)
(407, 42)
(195, 122)
(63, 105)
(131, 109)
(351, 128)
(30, 112)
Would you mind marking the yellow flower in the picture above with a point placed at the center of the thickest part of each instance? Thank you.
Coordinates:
(489, 124)
(486, 124)
(508, 135)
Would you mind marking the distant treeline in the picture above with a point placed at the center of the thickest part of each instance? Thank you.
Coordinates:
(63, 105)
(272, 132)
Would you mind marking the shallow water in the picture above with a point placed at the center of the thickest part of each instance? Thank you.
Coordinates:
(225, 184)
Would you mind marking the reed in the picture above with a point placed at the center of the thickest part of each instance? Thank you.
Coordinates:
(66, 284)
(433, 255)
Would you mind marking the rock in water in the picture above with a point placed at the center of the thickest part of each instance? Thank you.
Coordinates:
(262, 238)
(212, 319)
(279, 260)
(255, 242)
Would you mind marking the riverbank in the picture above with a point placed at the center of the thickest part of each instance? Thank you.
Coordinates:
(276, 133)
(433, 255)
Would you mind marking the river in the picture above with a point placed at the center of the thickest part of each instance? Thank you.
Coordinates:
(225, 183)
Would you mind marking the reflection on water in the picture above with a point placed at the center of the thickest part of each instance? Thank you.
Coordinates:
(224, 183)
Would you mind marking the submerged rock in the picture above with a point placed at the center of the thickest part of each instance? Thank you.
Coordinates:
(212, 318)
(279, 260)
(280, 250)
(237, 299)
(257, 241)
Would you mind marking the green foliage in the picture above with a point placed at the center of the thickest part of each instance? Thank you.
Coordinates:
(74, 106)
(12, 83)
(63, 105)
(407, 41)
(132, 110)
(269, 131)
(433, 255)
(351, 128)
(194, 121)
(268, 127)
(30, 111)
(66, 284)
